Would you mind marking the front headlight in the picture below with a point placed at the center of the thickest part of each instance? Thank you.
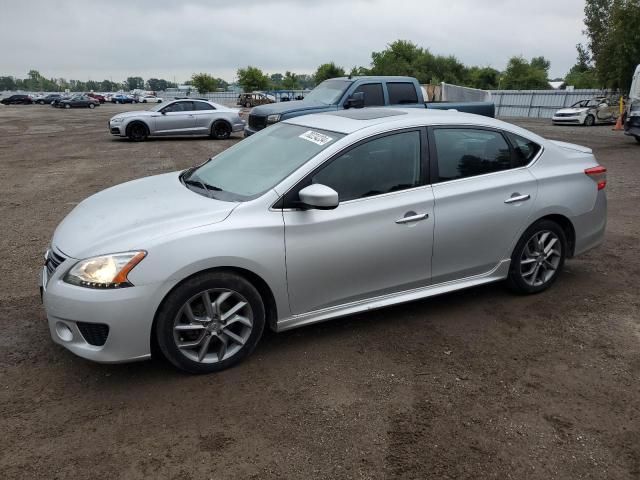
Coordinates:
(116, 119)
(275, 118)
(106, 271)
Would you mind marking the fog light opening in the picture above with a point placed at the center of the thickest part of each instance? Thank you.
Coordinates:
(64, 332)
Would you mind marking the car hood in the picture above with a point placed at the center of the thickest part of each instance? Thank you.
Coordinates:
(293, 106)
(573, 110)
(136, 113)
(129, 216)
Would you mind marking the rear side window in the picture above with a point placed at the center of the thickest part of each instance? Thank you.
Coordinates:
(203, 106)
(179, 107)
(402, 93)
(467, 152)
(373, 96)
(382, 165)
(524, 150)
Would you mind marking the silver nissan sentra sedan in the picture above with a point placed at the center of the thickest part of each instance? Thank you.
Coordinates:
(314, 218)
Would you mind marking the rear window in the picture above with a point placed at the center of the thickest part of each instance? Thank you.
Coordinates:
(402, 93)
(203, 106)
(524, 150)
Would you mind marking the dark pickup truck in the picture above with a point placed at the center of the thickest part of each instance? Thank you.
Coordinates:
(357, 92)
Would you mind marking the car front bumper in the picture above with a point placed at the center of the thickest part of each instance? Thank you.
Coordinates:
(117, 128)
(577, 120)
(127, 313)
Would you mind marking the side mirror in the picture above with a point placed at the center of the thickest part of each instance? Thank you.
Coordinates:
(318, 196)
(355, 100)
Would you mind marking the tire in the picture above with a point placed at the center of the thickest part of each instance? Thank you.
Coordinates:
(590, 121)
(203, 344)
(41, 102)
(137, 132)
(67, 105)
(544, 271)
(117, 102)
(91, 105)
(247, 105)
(637, 138)
(144, 101)
(220, 130)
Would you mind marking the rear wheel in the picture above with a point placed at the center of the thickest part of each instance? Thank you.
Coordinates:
(67, 105)
(220, 130)
(137, 132)
(91, 105)
(248, 104)
(590, 121)
(210, 322)
(538, 258)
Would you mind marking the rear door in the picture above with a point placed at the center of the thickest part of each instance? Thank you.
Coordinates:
(378, 240)
(484, 198)
(176, 119)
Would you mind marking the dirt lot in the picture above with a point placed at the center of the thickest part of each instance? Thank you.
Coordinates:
(477, 384)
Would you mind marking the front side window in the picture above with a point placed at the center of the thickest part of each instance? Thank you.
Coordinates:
(373, 95)
(263, 160)
(179, 107)
(467, 152)
(383, 165)
(402, 93)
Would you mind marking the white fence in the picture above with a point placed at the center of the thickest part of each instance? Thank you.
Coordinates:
(538, 103)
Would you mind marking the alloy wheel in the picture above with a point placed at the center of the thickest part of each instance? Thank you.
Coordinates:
(540, 258)
(213, 326)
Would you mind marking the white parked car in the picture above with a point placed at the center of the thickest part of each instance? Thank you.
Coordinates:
(149, 99)
(587, 113)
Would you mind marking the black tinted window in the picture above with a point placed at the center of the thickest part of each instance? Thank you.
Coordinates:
(203, 106)
(383, 165)
(465, 152)
(373, 96)
(524, 150)
(179, 107)
(402, 93)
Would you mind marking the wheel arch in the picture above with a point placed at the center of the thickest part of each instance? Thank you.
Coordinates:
(134, 122)
(567, 226)
(220, 119)
(271, 311)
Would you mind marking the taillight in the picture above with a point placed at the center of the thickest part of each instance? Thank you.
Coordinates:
(599, 175)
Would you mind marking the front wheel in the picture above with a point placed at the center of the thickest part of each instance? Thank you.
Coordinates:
(220, 130)
(137, 132)
(91, 105)
(67, 105)
(590, 121)
(210, 322)
(247, 105)
(538, 258)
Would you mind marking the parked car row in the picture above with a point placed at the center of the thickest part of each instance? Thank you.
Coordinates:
(588, 112)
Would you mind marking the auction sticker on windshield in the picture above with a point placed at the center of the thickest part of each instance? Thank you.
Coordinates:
(316, 137)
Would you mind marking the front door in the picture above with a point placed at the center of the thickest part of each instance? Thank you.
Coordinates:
(176, 119)
(377, 241)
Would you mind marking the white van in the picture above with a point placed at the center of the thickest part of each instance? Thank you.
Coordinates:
(632, 124)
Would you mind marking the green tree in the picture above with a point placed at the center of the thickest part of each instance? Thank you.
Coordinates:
(134, 83)
(252, 78)
(582, 74)
(203, 82)
(290, 81)
(485, 78)
(276, 80)
(7, 83)
(522, 75)
(326, 71)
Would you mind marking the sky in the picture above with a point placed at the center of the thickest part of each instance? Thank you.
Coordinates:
(96, 40)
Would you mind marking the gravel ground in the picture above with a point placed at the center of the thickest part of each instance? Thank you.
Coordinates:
(476, 384)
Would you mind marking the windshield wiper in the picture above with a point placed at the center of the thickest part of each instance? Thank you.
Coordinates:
(204, 186)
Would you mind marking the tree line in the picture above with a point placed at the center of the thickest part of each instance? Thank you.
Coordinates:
(35, 82)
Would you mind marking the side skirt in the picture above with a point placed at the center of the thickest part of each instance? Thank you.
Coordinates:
(500, 272)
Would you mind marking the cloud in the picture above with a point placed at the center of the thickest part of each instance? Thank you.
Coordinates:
(161, 38)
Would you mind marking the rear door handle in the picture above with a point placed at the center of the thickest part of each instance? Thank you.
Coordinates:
(412, 218)
(516, 197)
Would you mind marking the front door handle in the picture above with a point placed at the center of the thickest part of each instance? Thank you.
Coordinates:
(412, 217)
(516, 197)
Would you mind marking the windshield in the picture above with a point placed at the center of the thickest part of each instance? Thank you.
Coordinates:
(328, 92)
(158, 106)
(261, 161)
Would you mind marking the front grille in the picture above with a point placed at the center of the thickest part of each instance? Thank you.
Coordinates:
(566, 114)
(115, 130)
(53, 261)
(257, 122)
(94, 333)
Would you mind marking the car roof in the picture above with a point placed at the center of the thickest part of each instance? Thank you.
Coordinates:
(353, 120)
